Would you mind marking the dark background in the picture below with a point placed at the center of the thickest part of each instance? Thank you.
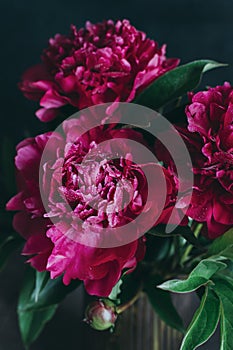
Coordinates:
(191, 29)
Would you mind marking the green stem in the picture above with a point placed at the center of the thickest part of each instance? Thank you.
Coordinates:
(197, 230)
(192, 240)
(123, 307)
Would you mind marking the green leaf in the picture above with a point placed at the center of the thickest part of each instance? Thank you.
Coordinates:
(224, 290)
(184, 231)
(222, 244)
(31, 322)
(228, 253)
(175, 83)
(41, 279)
(163, 306)
(52, 293)
(184, 286)
(38, 301)
(200, 276)
(204, 322)
(116, 291)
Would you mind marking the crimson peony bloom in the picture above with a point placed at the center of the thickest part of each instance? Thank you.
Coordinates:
(99, 268)
(103, 62)
(61, 254)
(210, 141)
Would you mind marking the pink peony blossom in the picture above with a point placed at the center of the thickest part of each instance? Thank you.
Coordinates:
(50, 248)
(210, 141)
(103, 62)
(99, 268)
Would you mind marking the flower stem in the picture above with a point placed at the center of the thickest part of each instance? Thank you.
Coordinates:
(190, 246)
(123, 307)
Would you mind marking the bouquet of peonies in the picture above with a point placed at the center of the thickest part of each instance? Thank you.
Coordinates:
(130, 187)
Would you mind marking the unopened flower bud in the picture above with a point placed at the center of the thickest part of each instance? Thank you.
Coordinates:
(101, 314)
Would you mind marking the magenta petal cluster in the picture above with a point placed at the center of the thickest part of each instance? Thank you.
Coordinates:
(52, 250)
(210, 140)
(104, 62)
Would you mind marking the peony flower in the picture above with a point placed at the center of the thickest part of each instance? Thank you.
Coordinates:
(99, 268)
(210, 141)
(103, 62)
(87, 199)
